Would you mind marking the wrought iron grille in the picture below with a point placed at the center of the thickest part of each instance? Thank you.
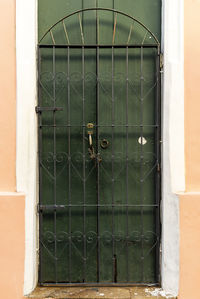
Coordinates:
(99, 151)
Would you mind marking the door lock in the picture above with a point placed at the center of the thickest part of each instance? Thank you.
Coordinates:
(104, 143)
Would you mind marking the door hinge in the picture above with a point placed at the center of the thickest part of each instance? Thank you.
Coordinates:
(161, 61)
(39, 109)
(158, 166)
(38, 208)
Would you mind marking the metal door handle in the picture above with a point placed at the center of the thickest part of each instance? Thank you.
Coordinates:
(90, 127)
(90, 139)
(91, 151)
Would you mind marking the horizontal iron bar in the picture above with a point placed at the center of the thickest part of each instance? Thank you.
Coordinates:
(40, 109)
(61, 207)
(99, 284)
(100, 126)
(100, 46)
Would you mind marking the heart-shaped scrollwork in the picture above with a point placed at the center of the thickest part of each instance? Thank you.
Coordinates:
(49, 161)
(53, 85)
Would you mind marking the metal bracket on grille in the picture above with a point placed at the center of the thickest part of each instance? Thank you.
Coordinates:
(161, 61)
(41, 208)
(40, 109)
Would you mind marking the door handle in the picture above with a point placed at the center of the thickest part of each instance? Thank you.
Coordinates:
(90, 127)
(91, 151)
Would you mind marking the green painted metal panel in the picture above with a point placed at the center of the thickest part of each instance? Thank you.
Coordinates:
(146, 11)
(112, 242)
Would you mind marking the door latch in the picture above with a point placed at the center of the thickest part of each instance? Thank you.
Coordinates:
(91, 150)
(90, 127)
(92, 154)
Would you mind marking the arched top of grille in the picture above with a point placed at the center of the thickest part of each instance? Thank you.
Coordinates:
(63, 31)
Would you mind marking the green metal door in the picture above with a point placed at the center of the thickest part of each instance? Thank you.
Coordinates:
(99, 142)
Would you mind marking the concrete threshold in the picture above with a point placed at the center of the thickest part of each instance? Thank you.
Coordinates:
(99, 292)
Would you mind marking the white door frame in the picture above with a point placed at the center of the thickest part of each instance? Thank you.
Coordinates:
(173, 165)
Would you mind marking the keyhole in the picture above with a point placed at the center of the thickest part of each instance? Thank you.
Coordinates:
(104, 143)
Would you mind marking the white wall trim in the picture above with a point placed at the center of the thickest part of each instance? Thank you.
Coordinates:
(173, 177)
(26, 164)
(173, 158)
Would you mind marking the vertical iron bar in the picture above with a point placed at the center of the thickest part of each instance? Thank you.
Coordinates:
(52, 37)
(141, 160)
(54, 158)
(65, 30)
(82, 4)
(83, 132)
(97, 151)
(114, 29)
(113, 5)
(69, 157)
(112, 162)
(127, 230)
(40, 167)
(130, 32)
(81, 28)
(98, 175)
(112, 133)
(157, 137)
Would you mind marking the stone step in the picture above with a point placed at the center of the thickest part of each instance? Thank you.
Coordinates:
(99, 293)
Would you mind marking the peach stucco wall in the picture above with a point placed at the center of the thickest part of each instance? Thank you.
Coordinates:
(190, 201)
(192, 94)
(7, 95)
(190, 246)
(11, 203)
(12, 246)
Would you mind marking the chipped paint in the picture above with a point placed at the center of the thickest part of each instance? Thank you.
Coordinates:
(158, 292)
